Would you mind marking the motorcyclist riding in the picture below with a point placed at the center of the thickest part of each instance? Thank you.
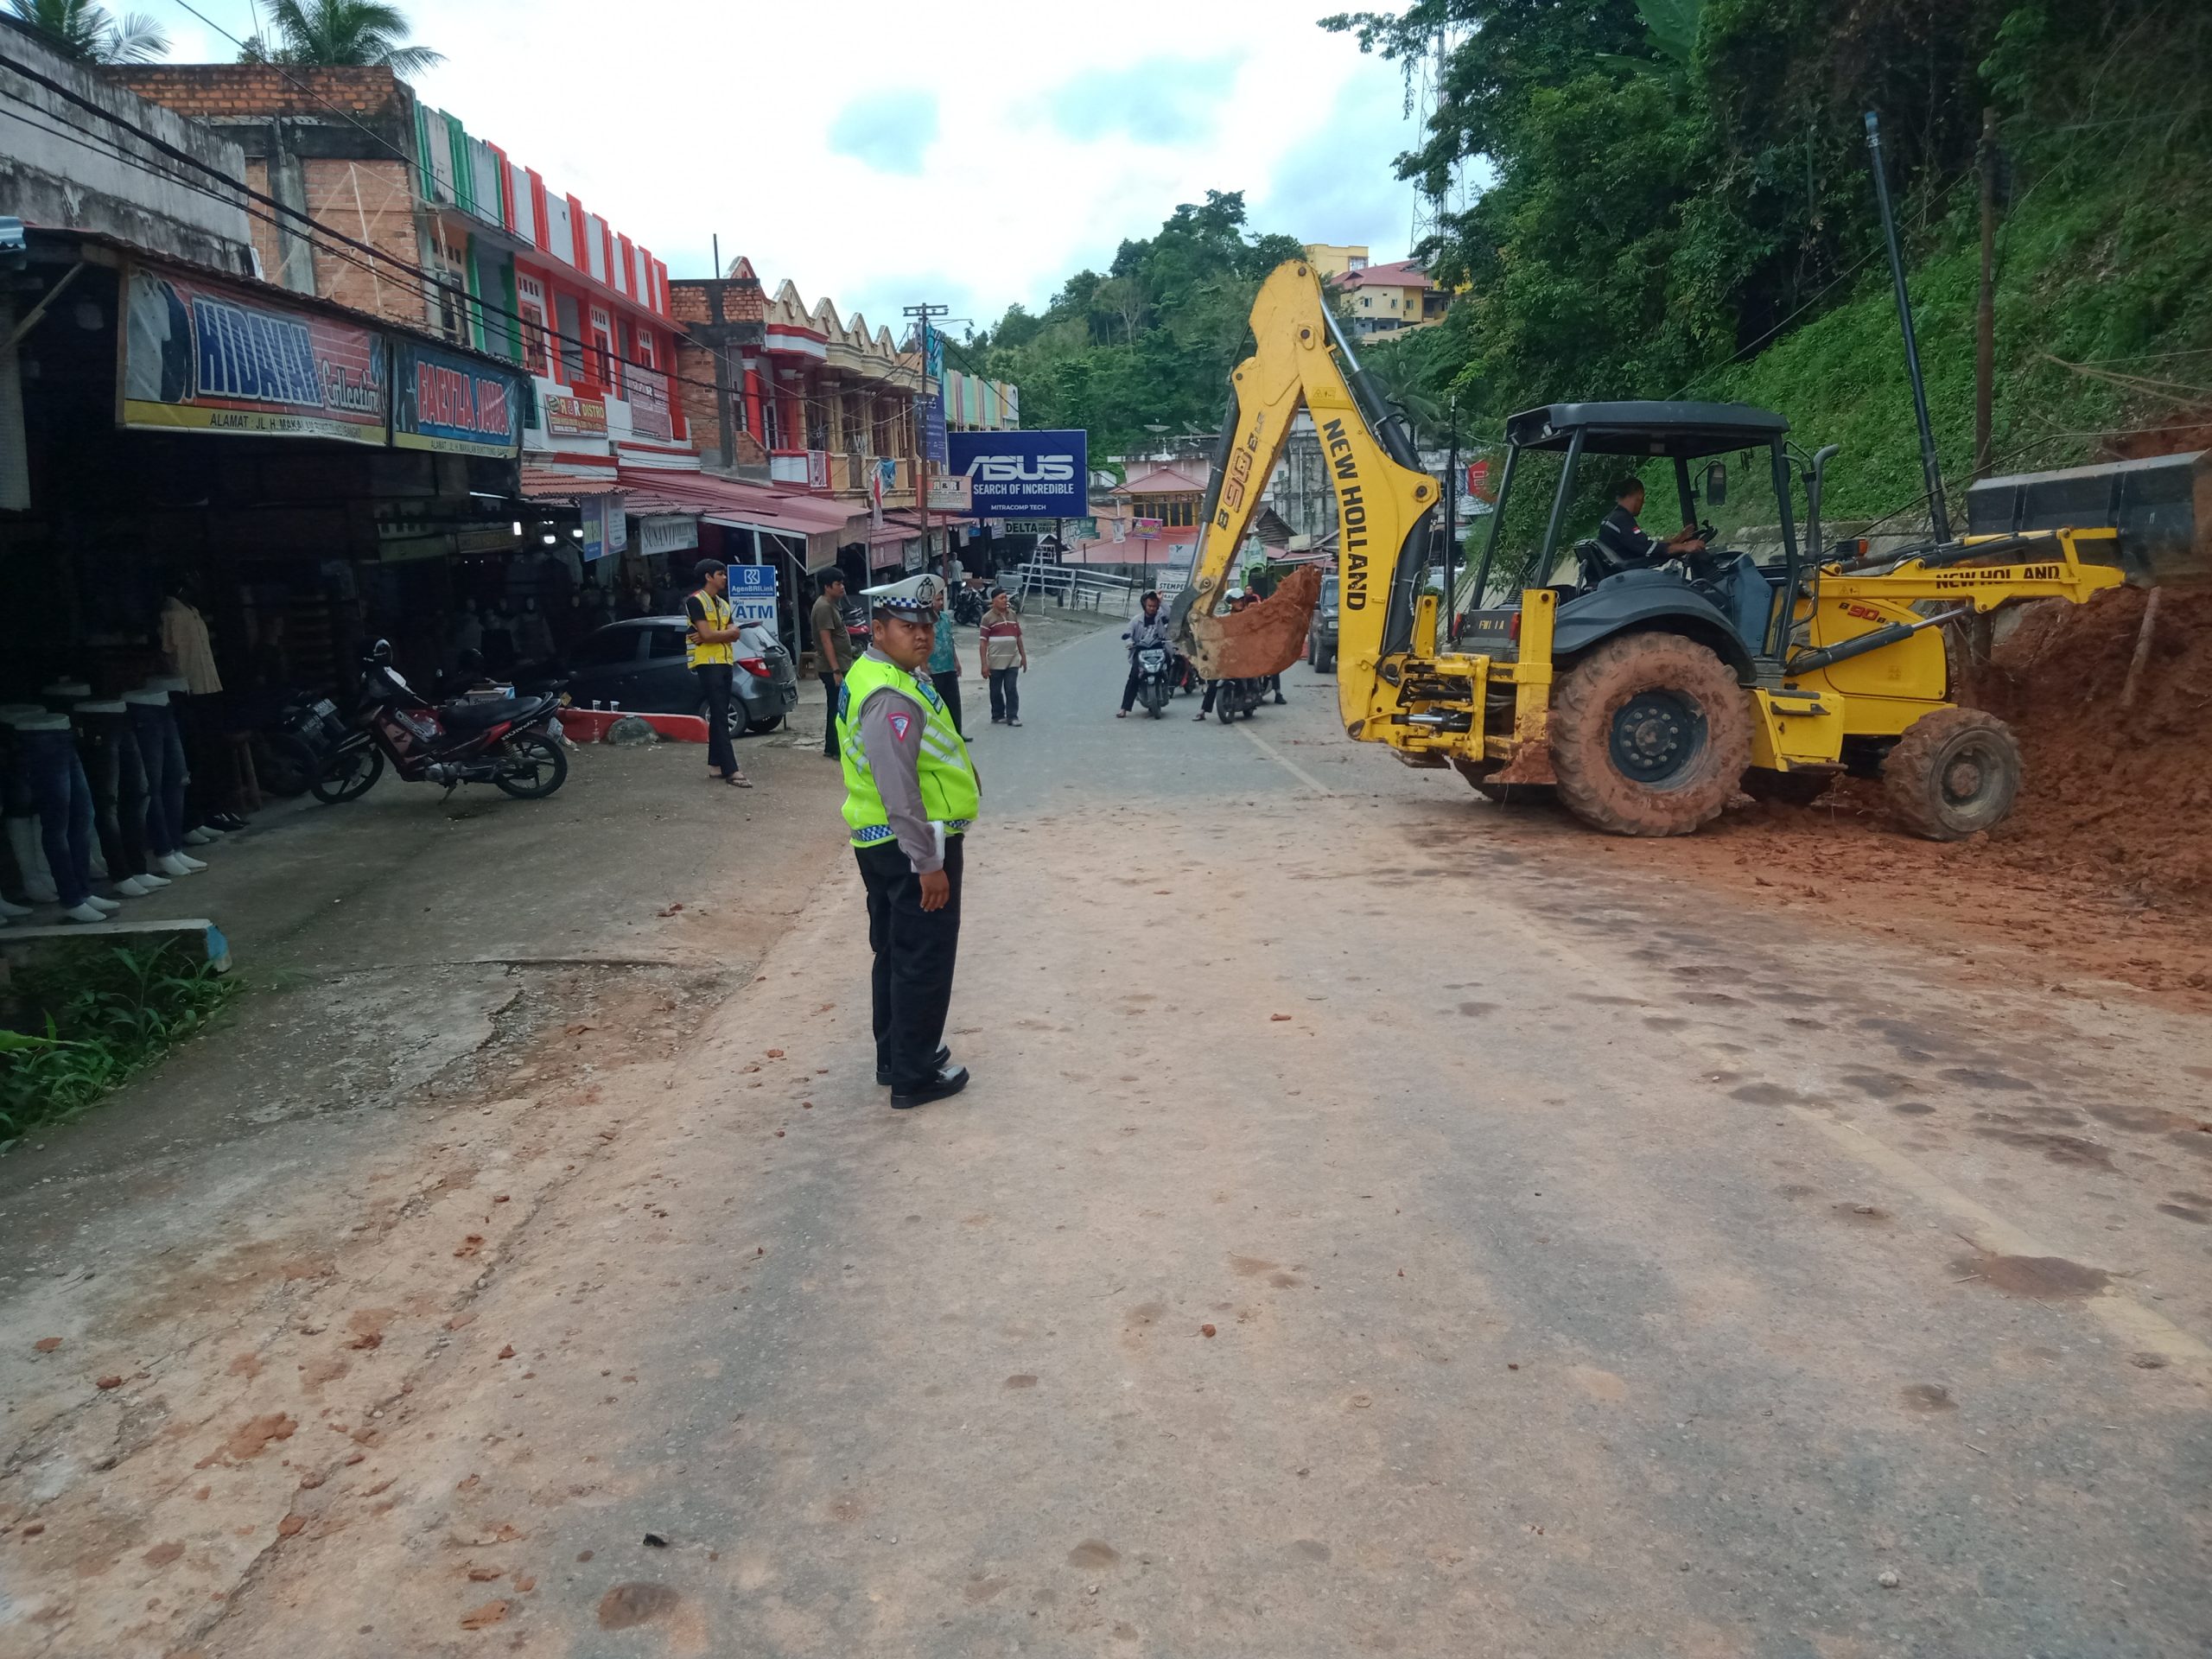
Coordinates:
(1149, 628)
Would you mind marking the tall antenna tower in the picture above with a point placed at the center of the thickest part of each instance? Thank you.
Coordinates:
(1425, 90)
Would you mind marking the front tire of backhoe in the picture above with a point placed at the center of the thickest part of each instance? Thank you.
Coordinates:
(1954, 772)
(1650, 733)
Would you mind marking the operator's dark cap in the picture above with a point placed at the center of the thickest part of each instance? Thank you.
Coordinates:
(915, 596)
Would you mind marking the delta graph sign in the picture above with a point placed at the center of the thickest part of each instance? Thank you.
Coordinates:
(1023, 474)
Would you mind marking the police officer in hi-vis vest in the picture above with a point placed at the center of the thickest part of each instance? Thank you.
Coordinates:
(910, 794)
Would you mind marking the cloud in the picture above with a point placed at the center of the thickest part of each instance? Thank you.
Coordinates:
(890, 131)
(878, 195)
(1158, 101)
(1336, 184)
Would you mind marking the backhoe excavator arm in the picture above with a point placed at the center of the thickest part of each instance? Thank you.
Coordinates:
(1383, 503)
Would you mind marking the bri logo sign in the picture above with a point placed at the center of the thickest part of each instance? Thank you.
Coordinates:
(1023, 474)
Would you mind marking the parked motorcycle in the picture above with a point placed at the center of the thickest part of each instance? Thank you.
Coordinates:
(1154, 686)
(1237, 699)
(288, 750)
(508, 742)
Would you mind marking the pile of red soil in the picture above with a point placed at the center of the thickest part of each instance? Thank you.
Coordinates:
(2111, 800)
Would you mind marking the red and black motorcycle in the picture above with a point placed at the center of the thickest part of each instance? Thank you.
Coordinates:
(508, 742)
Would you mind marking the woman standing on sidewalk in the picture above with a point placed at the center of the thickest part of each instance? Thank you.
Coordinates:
(1005, 655)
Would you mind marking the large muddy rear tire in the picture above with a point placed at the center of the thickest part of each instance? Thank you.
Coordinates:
(1954, 772)
(1650, 735)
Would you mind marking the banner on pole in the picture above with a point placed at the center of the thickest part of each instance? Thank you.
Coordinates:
(752, 595)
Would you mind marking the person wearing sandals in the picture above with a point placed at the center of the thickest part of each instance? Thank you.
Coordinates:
(710, 652)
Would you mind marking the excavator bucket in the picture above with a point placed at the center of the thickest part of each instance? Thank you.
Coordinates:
(1265, 638)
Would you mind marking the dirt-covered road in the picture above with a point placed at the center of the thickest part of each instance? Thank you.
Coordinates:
(1379, 1223)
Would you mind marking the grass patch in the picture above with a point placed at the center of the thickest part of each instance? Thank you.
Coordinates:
(71, 1031)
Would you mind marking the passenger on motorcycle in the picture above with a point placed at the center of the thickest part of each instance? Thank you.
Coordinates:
(1149, 629)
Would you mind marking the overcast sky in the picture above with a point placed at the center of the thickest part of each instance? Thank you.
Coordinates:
(977, 161)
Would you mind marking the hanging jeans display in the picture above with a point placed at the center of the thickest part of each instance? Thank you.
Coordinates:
(160, 751)
(52, 780)
(110, 751)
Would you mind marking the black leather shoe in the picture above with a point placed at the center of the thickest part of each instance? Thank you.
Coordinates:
(949, 1081)
(936, 1064)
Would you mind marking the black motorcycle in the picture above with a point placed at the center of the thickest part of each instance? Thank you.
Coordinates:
(508, 742)
(289, 748)
(1238, 699)
(1154, 684)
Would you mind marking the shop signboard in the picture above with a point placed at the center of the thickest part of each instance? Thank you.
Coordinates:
(1024, 474)
(443, 402)
(606, 528)
(668, 532)
(929, 416)
(752, 595)
(950, 493)
(207, 357)
(575, 417)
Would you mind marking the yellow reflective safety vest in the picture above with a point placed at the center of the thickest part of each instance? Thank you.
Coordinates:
(947, 776)
(718, 615)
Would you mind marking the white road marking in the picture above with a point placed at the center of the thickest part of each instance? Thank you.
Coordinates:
(1286, 763)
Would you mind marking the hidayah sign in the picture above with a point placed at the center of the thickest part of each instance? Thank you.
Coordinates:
(1024, 474)
(447, 403)
(208, 357)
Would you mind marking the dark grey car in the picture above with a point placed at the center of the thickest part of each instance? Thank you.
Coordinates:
(639, 665)
(1321, 632)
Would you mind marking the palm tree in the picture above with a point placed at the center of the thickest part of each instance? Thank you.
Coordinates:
(338, 32)
(86, 30)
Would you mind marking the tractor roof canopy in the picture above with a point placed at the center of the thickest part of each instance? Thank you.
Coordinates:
(1686, 430)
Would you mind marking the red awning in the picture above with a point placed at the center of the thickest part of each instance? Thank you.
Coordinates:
(719, 500)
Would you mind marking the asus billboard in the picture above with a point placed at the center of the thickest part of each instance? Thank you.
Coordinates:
(1023, 474)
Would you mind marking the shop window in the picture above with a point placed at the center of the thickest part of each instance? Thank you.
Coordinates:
(1180, 513)
(602, 366)
(530, 302)
(644, 353)
(568, 315)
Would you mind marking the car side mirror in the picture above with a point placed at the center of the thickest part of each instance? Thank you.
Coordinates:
(1716, 484)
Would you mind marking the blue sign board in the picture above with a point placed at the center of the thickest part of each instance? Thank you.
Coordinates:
(929, 414)
(1024, 474)
(752, 594)
(445, 402)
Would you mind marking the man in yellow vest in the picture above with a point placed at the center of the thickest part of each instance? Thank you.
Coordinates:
(909, 796)
(710, 652)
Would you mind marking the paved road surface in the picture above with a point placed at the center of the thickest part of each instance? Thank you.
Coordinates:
(1369, 1231)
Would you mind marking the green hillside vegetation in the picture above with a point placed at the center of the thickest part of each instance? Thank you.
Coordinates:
(1682, 205)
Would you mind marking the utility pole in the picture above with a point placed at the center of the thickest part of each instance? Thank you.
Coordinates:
(1984, 335)
(922, 314)
(1450, 522)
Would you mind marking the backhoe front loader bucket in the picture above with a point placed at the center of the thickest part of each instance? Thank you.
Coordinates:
(1265, 638)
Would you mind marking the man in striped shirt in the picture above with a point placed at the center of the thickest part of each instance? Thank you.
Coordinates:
(1005, 655)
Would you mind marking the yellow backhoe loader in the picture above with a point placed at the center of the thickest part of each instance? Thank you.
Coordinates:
(1645, 697)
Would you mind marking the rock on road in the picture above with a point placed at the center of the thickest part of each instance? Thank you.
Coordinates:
(1369, 1229)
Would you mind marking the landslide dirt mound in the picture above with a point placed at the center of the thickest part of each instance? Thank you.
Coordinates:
(2104, 870)
(2113, 799)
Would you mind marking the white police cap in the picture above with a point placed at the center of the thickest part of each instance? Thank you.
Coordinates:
(911, 597)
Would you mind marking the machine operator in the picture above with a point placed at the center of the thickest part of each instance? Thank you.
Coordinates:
(1626, 545)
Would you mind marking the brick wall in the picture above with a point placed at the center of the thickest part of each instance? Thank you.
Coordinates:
(230, 91)
(265, 233)
(692, 299)
(371, 202)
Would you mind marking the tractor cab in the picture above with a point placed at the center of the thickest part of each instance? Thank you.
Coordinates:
(1723, 599)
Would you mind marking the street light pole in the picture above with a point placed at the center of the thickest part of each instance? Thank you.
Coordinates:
(922, 314)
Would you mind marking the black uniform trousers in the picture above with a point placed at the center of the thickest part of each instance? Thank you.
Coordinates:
(914, 951)
(714, 682)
